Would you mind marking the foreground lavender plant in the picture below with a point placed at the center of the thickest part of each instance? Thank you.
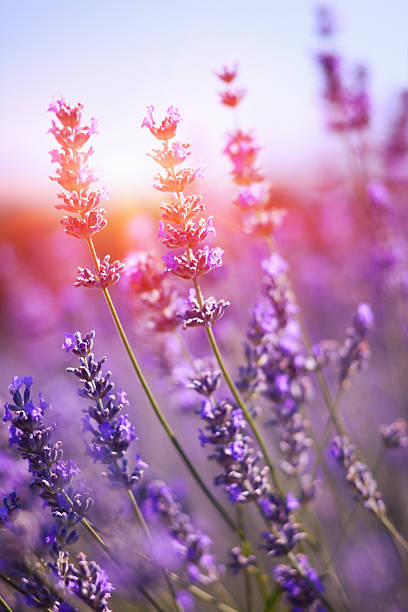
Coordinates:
(112, 431)
(52, 474)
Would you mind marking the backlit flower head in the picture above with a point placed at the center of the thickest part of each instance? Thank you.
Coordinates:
(227, 75)
(232, 98)
(73, 174)
(168, 126)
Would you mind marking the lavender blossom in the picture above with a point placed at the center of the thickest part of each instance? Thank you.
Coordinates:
(242, 478)
(358, 475)
(355, 352)
(395, 435)
(301, 587)
(148, 281)
(111, 430)
(285, 532)
(11, 503)
(90, 583)
(51, 474)
(239, 560)
(192, 546)
(205, 315)
(278, 370)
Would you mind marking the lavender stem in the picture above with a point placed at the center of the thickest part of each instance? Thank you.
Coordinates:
(237, 397)
(4, 605)
(163, 421)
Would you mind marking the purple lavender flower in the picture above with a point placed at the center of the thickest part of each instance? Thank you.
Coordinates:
(111, 430)
(277, 368)
(301, 587)
(90, 583)
(284, 532)
(239, 560)
(192, 546)
(395, 435)
(358, 475)
(11, 503)
(205, 315)
(52, 475)
(242, 478)
(355, 352)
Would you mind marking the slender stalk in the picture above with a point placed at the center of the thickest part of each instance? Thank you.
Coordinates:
(139, 514)
(398, 537)
(148, 534)
(207, 597)
(247, 575)
(4, 605)
(162, 419)
(237, 397)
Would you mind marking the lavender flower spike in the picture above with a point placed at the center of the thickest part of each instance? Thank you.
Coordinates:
(111, 430)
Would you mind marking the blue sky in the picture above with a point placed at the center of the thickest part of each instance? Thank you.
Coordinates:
(118, 56)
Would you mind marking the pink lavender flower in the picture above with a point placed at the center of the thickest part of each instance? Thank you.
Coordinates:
(179, 229)
(260, 215)
(227, 75)
(176, 182)
(170, 157)
(148, 280)
(232, 98)
(168, 126)
(201, 262)
(108, 274)
(74, 174)
(207, 315)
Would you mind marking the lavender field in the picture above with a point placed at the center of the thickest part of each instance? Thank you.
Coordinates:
(204, 369)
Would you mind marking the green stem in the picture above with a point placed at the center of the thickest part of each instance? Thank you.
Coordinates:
(394, 532)
(139, 514)
(247, 575)
(207, 597)
(237, 397)
(162, 419)
(4, 605)
(148, 534)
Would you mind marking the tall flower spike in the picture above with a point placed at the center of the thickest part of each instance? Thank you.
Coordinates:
(79, 199)
(179, 229)
(73, 174)
(192, 546)
(278, 370)
(258, 208)
(346, 96)
(111, 430)
(358, 475)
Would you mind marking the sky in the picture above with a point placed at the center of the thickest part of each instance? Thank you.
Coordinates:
(117, 56)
